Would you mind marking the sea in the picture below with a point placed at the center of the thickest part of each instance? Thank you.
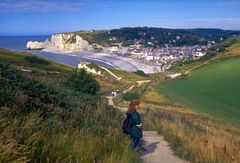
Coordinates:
(18, 43)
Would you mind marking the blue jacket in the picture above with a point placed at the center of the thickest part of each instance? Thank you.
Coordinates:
(135, 119)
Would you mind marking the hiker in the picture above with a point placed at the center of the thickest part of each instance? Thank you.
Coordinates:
(135, 122)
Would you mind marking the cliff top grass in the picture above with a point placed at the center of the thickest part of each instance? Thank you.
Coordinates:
(137, 76)
(15, 58)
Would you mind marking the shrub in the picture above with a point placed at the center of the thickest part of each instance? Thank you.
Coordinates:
(27, 95)
(130, 96)
(81, 81)
(141, 73)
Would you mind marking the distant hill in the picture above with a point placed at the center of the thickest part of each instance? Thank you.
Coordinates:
(150, 36)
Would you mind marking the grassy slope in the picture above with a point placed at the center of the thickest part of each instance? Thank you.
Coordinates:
(134, 76)
(42, 72)
(32, 138)
(212, 86)
(195, 137)
(213, 89)
(17, 58)
(192, 136)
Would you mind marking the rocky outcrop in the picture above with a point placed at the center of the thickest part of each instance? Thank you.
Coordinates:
(85, 65)
(62, 41)
(35, 45)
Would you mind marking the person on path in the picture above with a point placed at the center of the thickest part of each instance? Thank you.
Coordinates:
(136, 124)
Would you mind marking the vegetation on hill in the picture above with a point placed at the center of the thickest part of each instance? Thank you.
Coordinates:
(31, 60)
(213, 89)
(69, 132)
(211, 86)
(149, 36)
(211, 83)
(130, 96)
(43, 120)
(195, 136)
(193, 133)
(81, 81)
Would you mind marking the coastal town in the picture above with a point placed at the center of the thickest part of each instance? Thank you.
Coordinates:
(164, 57)
(134, 57)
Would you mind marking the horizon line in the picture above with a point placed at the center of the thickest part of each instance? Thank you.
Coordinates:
(47, 34)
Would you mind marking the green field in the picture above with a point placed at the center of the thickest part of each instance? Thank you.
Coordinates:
(213, 89)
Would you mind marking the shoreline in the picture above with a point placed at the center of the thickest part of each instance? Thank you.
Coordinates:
(118, 62)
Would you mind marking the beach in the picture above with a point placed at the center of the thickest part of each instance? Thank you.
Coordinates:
(118, 62)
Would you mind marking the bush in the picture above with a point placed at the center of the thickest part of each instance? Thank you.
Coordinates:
(81, 81)
(36, 60)
(130, 96)
(16, 90)
(141, 73)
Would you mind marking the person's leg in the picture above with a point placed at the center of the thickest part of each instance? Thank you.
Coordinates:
(135, 143)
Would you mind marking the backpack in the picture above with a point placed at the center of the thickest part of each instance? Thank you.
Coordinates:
(126, 126)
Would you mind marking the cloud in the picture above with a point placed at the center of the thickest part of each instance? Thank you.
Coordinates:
(41, 6)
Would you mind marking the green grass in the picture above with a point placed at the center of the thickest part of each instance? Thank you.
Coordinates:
(31, 60)
(213, 89)
(130, 96)
(136, 76)
(41, 120)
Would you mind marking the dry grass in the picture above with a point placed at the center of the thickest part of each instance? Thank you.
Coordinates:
(193, 136)
(32, 139)
(81, 132)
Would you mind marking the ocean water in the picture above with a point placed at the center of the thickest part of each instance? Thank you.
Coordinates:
(18, 43)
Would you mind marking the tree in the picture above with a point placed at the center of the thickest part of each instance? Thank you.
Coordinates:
(81, 81)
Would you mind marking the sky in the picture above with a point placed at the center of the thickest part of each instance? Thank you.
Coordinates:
(44, 17)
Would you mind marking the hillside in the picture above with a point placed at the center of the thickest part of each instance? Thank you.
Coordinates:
(157, 36)
(48, 112)
(193, 132)
(213, 89)
(61, 125)
(211, 84)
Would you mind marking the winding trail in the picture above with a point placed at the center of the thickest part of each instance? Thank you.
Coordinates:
(157, 149)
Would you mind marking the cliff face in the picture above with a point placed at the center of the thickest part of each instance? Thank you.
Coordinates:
(62, 41)
(35, 45)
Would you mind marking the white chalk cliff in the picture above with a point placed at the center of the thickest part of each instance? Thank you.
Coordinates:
(62, 41)
(35, 45)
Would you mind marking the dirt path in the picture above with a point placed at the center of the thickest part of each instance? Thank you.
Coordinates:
(129, 89)
(111, 73)
(111, 103)
(158, 150)
(142, 82)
